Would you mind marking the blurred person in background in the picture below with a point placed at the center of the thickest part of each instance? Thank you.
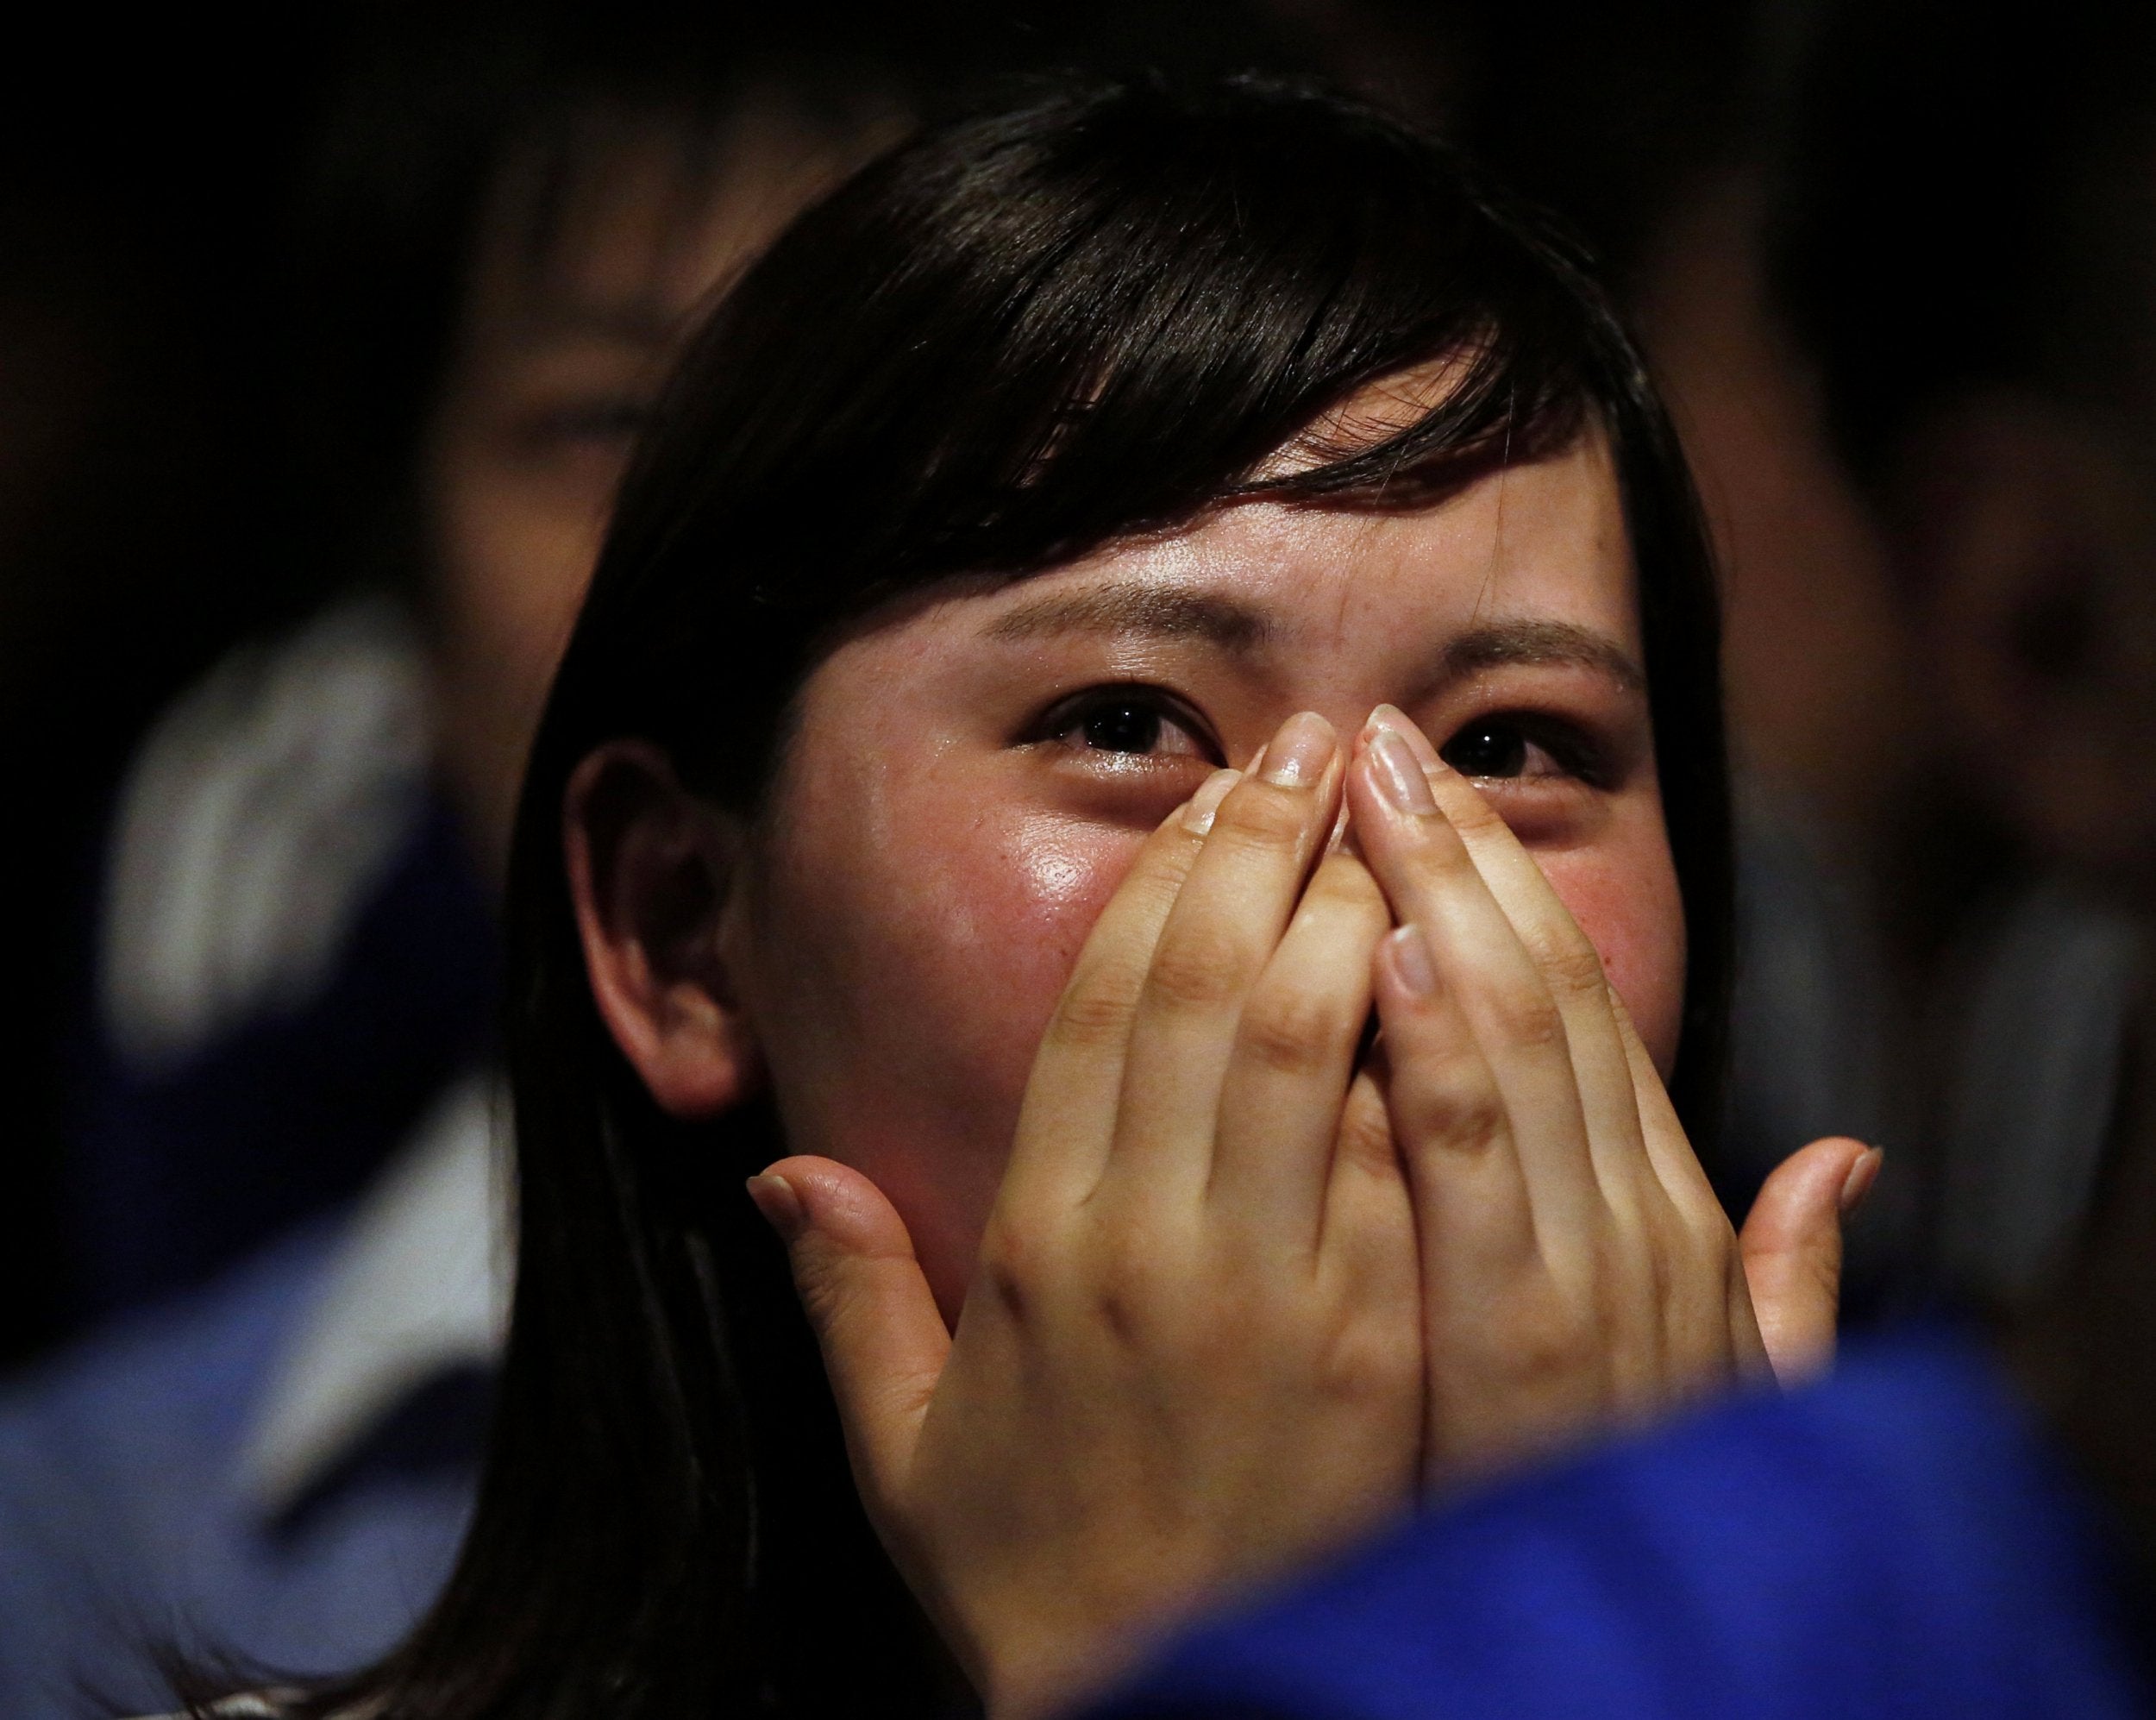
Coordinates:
(507, 225)
(293, 964)
(1963, 223)
(511, 217)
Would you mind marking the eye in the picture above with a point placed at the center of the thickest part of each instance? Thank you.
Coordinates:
(599, 422)
(1129, 723)
(1499, 749)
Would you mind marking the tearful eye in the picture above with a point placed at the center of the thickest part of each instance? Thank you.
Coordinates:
(1126, 723)
(1487, 749)
(1122, 728)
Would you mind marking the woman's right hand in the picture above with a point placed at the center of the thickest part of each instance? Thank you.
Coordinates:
(1190, 1357)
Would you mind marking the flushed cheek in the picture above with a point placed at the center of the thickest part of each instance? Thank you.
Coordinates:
(965, 955)
(1633, 915)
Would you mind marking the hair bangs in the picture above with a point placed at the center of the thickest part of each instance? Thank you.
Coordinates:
(1047, 352)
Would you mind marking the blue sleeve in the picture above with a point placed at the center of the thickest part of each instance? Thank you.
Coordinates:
(1893, 1542)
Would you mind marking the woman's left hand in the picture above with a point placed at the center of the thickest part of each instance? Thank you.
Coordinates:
(1578, 1271)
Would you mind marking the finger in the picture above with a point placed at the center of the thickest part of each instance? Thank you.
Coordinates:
(1701, 1346)
(1293, 1057)
(1068, 1118)
(884, 1343)
(1508, 1370)
(1473, 1215)
(1792, 1247)
(1222, 929)
(1483, 967)
(1569, 964)
(1669, 1148)
(1366, 1195)
(1368, 1256)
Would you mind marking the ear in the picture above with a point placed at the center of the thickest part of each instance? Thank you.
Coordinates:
(653, 874)
(2021, 530)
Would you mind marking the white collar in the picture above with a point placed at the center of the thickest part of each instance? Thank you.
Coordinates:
(420, 1283)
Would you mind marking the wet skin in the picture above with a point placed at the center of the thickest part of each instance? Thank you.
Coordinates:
(968, 785)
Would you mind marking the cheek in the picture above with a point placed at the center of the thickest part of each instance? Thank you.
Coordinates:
(1625, 896)
(913, 963)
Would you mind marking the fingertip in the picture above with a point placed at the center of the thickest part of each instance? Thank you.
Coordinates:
(835, 1202)
(779, 1202)
(1814, 1188)
(1864, 1172)
(1199, 814)
(1406, 966)
(1392, 719)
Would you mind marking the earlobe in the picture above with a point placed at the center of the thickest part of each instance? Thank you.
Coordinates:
(653, 872)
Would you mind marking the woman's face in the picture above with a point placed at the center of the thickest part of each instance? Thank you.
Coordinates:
(968, 785)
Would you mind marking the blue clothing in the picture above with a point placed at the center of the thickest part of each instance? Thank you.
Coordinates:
(1893, 1542)
(125, 1518)
(292, 955)
(177, 1173)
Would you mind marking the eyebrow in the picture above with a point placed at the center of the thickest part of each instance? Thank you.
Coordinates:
(1235, 626)
(1561, 644)
(1216, 619)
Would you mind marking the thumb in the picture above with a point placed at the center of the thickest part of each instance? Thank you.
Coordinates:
(1792, 1247)
(884, 1342)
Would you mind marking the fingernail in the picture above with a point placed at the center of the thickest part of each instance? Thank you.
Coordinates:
(781, 1204)
(1297, 755)
(1409, 954)
(1198, 817)
(1391, 720)
(1862, 1175)
(1399, 775)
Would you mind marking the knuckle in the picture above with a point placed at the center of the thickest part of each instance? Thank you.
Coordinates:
(1549, 1345)
(1012, 1268)
(1569, 964)
(1464, 1117)
(1197, 968)
(1259, 815)
(1367, 1363)
(1343, 883)
(1365, 1136)
(1133, 1299)
(1294, 1032)
(1528, 1016)
(1097, 1009)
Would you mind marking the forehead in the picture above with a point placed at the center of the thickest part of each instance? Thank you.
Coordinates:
(1540, 541)
(629, 220)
